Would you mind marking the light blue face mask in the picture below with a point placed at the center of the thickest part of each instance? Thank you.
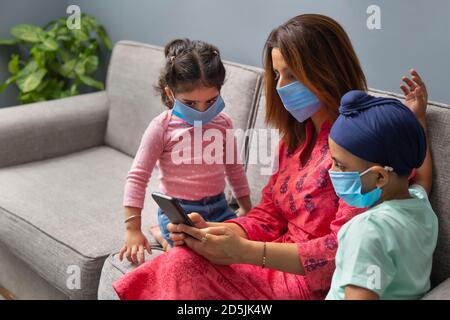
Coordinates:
(347, 186)
(194, 117)
(299, 100)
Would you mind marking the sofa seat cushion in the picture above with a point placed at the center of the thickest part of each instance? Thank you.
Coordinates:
(114, 269)
(65, 215)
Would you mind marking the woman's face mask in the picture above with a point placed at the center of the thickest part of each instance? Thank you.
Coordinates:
(194, 117)
(299, 100)
(348, 187)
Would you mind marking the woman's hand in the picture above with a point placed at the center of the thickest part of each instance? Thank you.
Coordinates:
(177, 236)
(134, 246)
(416, 95)
(219, 244)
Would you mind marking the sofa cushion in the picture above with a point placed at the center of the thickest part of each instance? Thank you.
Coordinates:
(67, 211)
(132, 74)
(438, 125)
(114, 269)
(441, 292)
(261, 155)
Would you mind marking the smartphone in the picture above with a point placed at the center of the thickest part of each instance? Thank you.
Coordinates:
(172, 209)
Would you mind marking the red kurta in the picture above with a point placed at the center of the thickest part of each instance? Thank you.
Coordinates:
(298, 205)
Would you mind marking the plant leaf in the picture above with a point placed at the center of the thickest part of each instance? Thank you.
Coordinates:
(31, 67)
(92, 82)
(80, 68)
(32, 81)
(13, 65)
(49, 44)
(91, 64)
(8, 42)
(103, 35)
(27, 32)
(66, 69)
(7, 83)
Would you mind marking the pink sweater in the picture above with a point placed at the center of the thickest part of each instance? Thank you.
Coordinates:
(191, 181)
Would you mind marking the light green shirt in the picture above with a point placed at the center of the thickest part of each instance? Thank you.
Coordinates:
(388, 249)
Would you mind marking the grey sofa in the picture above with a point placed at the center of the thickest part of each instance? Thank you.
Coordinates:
(63, 165)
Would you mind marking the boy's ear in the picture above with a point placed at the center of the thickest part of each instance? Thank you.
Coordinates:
(383, 176)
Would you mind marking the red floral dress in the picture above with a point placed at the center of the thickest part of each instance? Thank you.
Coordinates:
(298, 205)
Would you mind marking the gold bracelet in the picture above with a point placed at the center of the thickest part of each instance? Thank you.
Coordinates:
(264, 256)
(132, 217)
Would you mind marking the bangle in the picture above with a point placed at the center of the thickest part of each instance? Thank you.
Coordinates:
(132, 217)
(264, 256)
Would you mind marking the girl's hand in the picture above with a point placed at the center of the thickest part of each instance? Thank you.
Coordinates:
(241, 212)
(220, 245)
(416, 95)
(177, 236)
(134, 246)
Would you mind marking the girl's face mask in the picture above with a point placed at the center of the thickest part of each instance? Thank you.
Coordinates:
(348, 187)
(299, 100)
(197, 118)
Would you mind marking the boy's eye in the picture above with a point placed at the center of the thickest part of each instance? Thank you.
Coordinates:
(190, 103)
(339, 166)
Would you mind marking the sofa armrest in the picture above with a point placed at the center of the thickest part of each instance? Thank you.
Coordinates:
(48, 129)
(441, 292)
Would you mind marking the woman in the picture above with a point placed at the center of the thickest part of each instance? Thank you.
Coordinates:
(285, 247)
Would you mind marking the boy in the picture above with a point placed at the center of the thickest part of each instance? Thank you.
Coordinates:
(385, 252)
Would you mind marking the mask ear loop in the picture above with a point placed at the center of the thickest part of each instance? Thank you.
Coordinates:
(387, 168)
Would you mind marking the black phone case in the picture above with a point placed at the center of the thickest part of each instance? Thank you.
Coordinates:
(172, 209)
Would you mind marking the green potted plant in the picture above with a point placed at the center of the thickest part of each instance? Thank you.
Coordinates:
(58, 60)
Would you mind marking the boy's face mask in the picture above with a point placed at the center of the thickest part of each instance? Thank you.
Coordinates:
(194, 117)
(348, 187)
(298, 100)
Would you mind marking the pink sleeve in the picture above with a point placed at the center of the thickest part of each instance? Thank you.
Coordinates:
(234, 169)
(318, 255)
(150, 149)
(263, 222)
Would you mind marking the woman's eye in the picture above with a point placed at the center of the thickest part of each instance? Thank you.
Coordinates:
(190, 104)
(276, 76)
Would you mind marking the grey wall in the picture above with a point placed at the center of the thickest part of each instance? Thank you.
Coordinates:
(415, 33)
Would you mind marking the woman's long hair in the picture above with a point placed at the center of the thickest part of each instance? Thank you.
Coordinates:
(320, 55)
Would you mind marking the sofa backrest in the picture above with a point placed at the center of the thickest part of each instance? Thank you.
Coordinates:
(134, 70)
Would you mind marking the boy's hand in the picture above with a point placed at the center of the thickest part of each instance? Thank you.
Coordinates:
(134, 246)
(416, 95)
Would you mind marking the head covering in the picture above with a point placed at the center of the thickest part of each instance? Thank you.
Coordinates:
(380, 130)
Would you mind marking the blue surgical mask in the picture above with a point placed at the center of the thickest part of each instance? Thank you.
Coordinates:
(195, 117)
(347, 186)
(299, 100)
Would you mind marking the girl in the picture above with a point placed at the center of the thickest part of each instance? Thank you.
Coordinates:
(190, 86)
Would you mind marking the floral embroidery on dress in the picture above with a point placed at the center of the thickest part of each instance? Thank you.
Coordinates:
(284, 186)
(309, 204)
(330, 243)
(292, 206)
(299, 183)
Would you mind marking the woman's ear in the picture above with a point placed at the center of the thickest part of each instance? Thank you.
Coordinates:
(383, 176)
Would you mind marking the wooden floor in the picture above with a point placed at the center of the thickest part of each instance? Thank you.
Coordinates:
(5, 294)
